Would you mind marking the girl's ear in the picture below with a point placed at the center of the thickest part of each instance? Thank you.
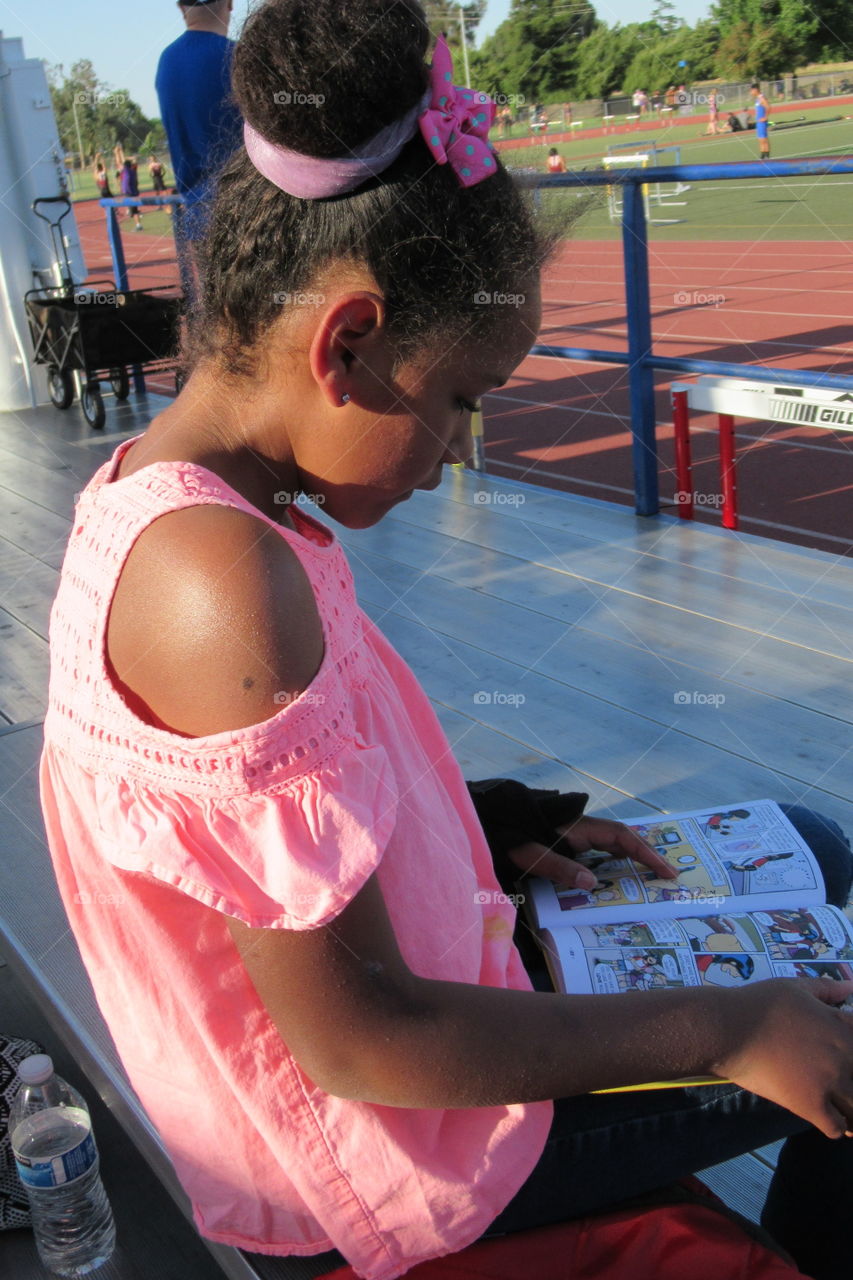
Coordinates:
(347, 338)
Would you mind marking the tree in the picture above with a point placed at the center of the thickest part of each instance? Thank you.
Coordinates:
(656, 65)
(446, 18)
(664, 16)
(603, 60)
(733, 57)
(534, 52)
(788, 31)
(103, 116)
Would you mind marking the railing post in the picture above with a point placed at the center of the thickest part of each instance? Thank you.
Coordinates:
(683, 464)
(640, 375)
(116, 249)
(728, 476)
(478, 452)
(120, 270)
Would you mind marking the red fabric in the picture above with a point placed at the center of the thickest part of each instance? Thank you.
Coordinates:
(670, 1242)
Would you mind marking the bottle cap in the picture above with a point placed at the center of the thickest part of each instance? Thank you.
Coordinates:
(36, 1069)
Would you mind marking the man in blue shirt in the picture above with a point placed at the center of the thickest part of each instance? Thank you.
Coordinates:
(200, 118)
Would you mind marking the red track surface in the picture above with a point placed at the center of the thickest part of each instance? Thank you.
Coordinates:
(566, 424)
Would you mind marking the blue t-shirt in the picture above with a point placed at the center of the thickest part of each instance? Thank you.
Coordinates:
(201, 120)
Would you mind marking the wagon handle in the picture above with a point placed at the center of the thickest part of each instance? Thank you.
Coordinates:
(52, 200)
(56, 232)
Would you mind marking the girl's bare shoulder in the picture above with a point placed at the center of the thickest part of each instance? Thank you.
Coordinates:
(213, 624)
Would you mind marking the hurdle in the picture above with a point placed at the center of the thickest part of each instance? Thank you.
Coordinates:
(729, 398)
(638, 161)
(657, 196)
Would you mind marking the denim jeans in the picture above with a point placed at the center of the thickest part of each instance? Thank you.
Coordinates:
(607, 1148)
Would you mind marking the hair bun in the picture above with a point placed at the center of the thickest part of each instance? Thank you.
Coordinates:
(323, 76)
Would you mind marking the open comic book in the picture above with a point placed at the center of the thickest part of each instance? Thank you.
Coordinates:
(748, 904)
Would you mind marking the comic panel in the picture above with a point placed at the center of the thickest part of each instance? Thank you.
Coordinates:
(729, 970)
(643, 969)
(725, 934)
(810, 934)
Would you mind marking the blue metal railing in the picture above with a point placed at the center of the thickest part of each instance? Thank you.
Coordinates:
(112, 204)
(640, 358)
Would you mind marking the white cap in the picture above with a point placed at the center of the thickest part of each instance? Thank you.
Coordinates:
(36, 1069)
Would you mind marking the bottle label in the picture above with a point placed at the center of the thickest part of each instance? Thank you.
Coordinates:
(38, 1170)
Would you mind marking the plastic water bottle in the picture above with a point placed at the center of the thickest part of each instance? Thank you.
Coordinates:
(57, 1160)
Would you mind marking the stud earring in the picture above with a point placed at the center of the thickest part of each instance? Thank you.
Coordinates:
(345, 398)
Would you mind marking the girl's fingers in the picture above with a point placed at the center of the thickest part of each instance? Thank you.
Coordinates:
(538, 860)
(617, 840)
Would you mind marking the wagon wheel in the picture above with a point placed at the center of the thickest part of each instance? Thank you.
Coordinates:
(120, 383)
(60, 386)
(92, 404)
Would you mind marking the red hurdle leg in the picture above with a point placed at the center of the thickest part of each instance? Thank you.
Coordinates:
(683, 468)
(728, 476)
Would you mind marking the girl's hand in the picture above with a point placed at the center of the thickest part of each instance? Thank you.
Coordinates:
(794, 1048)
(580, 836)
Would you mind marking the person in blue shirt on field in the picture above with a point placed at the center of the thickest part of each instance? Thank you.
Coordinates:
(202, 123)
(762, 121)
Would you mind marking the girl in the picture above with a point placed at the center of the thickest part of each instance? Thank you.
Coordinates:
(295, 930)
(155, 168)
(556, 163)
(102, 180)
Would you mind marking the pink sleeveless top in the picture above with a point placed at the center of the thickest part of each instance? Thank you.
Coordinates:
(278, 825)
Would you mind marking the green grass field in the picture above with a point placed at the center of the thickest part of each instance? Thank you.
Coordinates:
(793, 209)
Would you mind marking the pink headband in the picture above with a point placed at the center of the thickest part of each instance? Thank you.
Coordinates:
(454, 123)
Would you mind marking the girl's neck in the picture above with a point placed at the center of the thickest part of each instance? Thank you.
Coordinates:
(203, 427)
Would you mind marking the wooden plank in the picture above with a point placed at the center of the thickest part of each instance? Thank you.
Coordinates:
(483, 753)
(707, 645)
(31, 527)
(747, 605)
(27, 587)
(662, 767)
(804, 571)
(34, 434)
(608, 521)
(652, 693)
(24, 669)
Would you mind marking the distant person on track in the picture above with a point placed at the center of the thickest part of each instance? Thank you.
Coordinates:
(157, 170)
(712, 112)
(556, 163)
(102, 180)
(130, 187)
(158, 175)
(201, 121)
(762, 121)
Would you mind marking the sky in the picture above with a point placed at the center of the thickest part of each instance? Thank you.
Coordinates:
(123, 40)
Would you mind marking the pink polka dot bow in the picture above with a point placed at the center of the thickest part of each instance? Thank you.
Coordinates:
(455, 126)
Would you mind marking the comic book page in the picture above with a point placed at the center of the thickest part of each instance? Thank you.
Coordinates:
(725, 950)
(744, 857)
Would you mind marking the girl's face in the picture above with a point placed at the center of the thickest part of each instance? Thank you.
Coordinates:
(403, 427)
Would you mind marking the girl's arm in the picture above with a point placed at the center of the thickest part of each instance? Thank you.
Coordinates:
(363, 1026)
(212, 626)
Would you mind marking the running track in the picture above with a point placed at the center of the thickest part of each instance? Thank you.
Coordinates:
(566, 424)
(789, 304)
